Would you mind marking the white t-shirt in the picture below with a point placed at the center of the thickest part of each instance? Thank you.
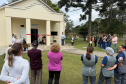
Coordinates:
(13, 40)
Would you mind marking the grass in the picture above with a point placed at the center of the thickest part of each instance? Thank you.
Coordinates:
(80, 44)
(71, 72)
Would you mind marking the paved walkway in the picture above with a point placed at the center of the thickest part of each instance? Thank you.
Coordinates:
(67, 49)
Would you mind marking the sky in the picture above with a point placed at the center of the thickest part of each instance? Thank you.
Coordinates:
(74, 15)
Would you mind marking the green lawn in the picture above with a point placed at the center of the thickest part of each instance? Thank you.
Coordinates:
(71, 73)
(80, 44)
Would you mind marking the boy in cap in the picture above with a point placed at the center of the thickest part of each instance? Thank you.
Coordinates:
(107, 67)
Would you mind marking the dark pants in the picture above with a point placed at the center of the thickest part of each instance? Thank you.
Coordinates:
(51, 76)
(90, 44)
(62, 41)
(92, 79)
(109, 44)
(72, 43)
(99, 44)
(95, 44)
(119, 78)
(37, 73)
(102, 78)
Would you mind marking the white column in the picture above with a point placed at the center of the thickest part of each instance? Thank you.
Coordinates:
(48, 33)
(28, 30)
(8, 30)
(61, 26)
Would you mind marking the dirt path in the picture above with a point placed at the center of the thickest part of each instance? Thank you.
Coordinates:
(66, 48)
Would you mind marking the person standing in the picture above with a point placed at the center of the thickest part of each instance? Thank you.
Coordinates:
(104, 41)
(62, 39)
(24, 43)
(72, 40)
(16, 69)
(114, 41)
(35, 63)
(107, 67)
(7, 55)
(13, 39)
(91, 40)
(95, 41)
(120, 71)
(109, 40)
(89, 66)
(54, 64)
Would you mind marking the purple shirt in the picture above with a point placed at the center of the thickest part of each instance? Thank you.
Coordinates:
(35, 59)
(54, 63)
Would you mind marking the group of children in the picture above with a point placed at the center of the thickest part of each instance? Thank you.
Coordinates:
(111, 66)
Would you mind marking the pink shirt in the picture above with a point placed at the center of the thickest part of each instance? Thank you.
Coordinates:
(114, 40)
(54, 63)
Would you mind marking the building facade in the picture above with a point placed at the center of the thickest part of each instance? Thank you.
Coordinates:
(30, 18)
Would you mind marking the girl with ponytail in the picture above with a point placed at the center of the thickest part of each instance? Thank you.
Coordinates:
(16, 69)
(89, 61)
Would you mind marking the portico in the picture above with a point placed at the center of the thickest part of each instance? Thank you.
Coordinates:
(34, 15)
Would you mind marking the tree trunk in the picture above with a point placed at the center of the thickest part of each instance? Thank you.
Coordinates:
(89, 22)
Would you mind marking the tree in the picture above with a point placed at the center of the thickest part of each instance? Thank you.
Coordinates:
(52, 5)
(69, 26)
(85, 5)
(83, 30)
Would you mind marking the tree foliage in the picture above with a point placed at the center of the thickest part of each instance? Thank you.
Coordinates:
(84, 5)
(83, 30)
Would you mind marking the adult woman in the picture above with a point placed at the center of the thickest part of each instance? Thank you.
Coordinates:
(104, 40)
(16, 69)
(91, 40)
(95, 41)
(114, 41)
(72, 40)
(54, 64)
(89, 66)
(35, 63)
(108, 65)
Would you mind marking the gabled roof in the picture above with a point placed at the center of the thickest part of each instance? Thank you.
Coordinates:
(23, 0)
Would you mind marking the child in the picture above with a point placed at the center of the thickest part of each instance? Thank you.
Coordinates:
(35, 63)
(16, 69)
(89, 66)
(108, 66)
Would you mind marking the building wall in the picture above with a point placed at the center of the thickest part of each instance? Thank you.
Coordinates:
(34, 12)
(31, 9)
(3, 35)
(55, 27)
(16, 25)
(17, 22)
(41, 28)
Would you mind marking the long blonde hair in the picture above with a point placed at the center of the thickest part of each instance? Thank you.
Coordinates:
(14, 50)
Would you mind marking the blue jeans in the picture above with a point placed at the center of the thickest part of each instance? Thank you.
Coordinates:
(104, 47)
(92, 79)
(109, 44)
(106, 44)
(114, 46)
(62, 40)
